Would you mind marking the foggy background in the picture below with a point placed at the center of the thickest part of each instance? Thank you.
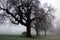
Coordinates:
(8, 28)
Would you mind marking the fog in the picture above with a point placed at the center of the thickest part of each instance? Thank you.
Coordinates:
(8, 28)
(56, 5)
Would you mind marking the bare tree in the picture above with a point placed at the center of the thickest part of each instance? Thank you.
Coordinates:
(21, 13)
(44, 19)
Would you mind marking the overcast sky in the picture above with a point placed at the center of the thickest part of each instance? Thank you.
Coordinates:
(56, 5)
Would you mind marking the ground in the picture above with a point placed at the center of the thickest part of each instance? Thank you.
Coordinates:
(18, 37)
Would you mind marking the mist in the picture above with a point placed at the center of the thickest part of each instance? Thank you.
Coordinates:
(9, 28)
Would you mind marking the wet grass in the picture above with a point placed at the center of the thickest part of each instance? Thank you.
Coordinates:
(19, 37)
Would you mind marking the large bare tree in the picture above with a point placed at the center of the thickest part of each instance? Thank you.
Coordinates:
(23, 9)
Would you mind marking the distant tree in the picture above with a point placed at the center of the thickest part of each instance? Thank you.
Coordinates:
(23, 9)
(44, 19)
(49, 17)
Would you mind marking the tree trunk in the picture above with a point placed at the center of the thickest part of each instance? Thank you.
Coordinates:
(45, 32)
(28, 31)
(37, 32)
(28, 25)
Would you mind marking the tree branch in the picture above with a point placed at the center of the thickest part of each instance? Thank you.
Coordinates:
(14, 16)
(24, 19)
(33, 19)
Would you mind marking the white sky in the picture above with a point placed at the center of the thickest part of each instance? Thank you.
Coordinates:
(56, 5)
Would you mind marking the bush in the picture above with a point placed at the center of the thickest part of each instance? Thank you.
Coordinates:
(24, 33)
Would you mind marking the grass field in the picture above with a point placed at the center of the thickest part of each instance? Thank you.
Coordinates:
(17, 37)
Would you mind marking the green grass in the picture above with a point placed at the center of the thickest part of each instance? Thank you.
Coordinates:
(17, 37)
